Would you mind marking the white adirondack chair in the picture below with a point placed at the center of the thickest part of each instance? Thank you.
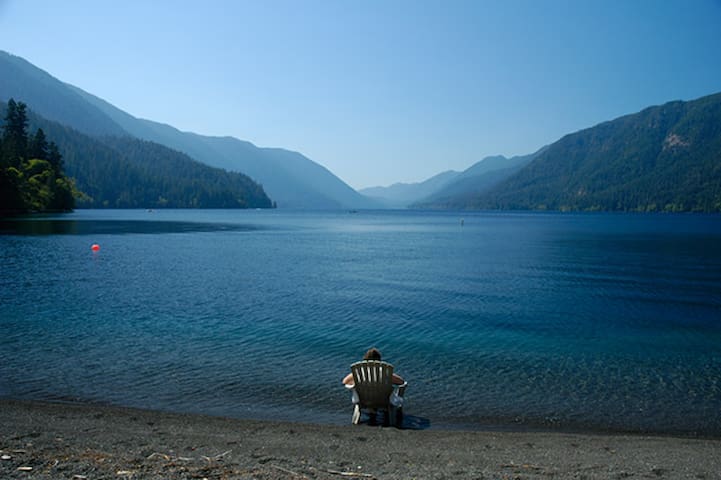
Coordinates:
(373, 383)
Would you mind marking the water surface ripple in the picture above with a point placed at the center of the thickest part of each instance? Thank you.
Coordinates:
(603, 321)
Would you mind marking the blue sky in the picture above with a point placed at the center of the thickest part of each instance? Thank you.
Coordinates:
(377, 91)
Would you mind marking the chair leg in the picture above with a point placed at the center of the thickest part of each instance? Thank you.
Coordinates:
(399, 417)
(356, 414)
(372, 416)
(387, 417)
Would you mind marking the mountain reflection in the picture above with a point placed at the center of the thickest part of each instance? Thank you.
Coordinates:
(94, 227)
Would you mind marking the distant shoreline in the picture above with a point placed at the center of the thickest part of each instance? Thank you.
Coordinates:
(46, 440)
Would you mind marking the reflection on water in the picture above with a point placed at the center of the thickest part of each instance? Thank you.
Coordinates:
(30, 226)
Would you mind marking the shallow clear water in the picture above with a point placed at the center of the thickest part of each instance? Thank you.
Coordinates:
(602, 321)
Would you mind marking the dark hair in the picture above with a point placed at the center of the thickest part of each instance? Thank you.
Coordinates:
(372, 354)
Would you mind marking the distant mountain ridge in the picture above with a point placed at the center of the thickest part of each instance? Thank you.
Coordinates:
(446, 189)
(400, 195)
(51, 98)
(290, 179)
(478, 178)
(664, 158)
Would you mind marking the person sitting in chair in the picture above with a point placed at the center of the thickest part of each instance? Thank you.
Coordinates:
(372, 354)
(394, 400)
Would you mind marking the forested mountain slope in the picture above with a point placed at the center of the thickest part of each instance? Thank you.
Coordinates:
(475, 180)
(124, 172)
(664, 158)
(289, 178)
(46, 95)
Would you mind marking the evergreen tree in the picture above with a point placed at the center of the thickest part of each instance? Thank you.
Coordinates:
(31, 177)
(15, 136)
(38, 146)
(54, 157)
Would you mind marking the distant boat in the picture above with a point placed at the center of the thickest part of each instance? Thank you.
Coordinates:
(352, 211)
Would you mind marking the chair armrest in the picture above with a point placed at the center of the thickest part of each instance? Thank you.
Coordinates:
(401, 389)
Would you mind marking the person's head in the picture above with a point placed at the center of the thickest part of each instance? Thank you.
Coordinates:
(372, 354)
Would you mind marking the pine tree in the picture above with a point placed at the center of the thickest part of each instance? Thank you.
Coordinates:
(38, 146)
(15, 137)
(31, 176)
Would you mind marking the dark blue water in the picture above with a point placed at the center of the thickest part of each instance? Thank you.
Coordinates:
(603, 321)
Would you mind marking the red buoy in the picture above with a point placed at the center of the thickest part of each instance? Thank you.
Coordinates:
(95, 247)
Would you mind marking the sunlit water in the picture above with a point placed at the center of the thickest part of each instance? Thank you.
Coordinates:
(603, 321)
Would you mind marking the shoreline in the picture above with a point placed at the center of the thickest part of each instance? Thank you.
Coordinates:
(411, 422)
(53, 440)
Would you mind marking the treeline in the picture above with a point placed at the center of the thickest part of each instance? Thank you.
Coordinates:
(124, 172)
(31, 168)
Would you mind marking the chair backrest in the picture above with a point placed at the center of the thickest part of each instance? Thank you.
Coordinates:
(373, 382)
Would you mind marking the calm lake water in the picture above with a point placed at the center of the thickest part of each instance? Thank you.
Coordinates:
(597, 321)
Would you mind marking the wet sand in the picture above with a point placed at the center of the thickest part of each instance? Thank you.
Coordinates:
(86, 442)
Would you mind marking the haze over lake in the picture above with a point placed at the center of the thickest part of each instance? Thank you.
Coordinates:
(599, 321)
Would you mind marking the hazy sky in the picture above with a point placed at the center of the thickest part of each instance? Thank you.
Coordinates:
(378, 92)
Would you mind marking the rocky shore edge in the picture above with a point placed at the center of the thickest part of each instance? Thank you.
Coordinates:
(40, 440)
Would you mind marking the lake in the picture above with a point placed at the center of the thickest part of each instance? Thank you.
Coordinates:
(497, 320)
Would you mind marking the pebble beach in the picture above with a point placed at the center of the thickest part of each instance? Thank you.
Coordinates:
(41, 440)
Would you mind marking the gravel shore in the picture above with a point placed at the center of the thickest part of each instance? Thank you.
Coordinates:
(86, 442)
